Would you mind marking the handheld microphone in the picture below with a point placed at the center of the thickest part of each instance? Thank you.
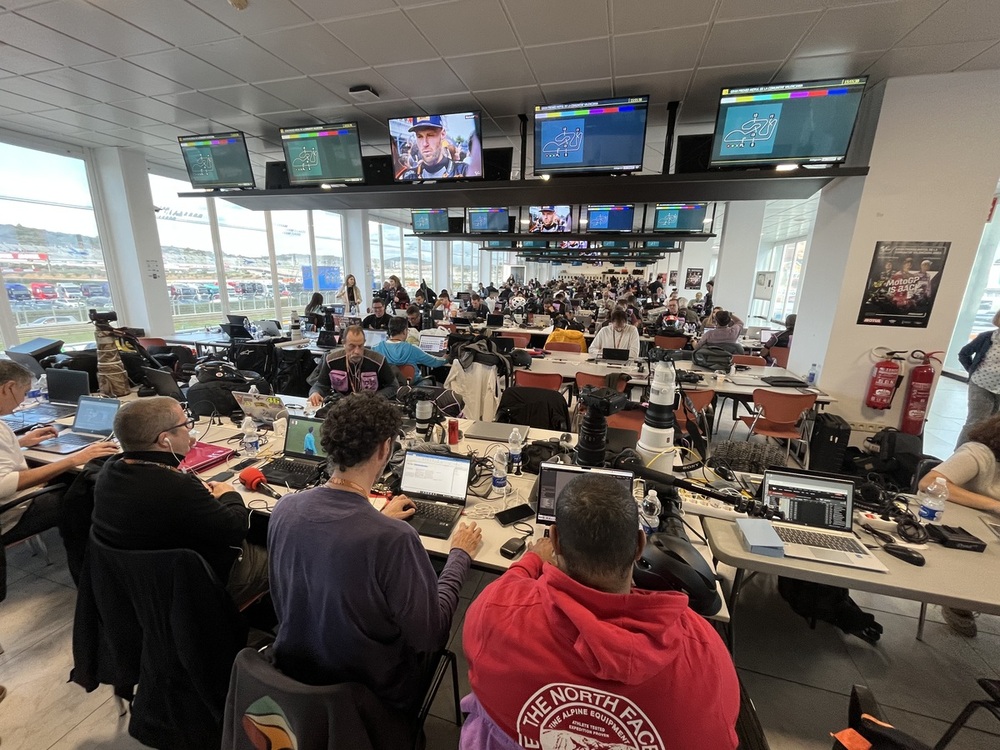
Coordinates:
(630, 460)
(253, 479)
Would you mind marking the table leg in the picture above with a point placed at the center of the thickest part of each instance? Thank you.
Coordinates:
(733, 596)
(920, 621)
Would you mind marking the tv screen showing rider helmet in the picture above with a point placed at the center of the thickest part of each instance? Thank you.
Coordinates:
(550, 218)
(436, 147)
(808, 122)
(318, 154)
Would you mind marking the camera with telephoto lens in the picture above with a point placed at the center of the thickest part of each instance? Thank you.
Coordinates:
(601, 403)
(104, 318)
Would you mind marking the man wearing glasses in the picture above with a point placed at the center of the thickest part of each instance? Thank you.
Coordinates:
(143, 501)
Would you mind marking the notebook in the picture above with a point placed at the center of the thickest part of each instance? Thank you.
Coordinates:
(552, 478)
(27, 361)
(494, 321)
(327, 339)
(437, 484)
(304, 457)
(65, 388)
(94, 421)
(818, 514)
(784, 381)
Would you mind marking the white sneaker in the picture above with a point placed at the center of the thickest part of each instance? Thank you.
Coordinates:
(962, 621)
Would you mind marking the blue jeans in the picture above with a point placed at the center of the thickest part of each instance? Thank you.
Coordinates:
(982, 404)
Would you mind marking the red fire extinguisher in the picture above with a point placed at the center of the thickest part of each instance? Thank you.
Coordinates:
(884, 380)
(918, 392)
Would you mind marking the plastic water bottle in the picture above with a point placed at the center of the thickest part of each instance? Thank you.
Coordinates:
(932, 500)
(649, 513)
(500, 474)
(43, 388)
(813, 374)
(254, 390)
(515, 444)
(251, 441)
(253, 331)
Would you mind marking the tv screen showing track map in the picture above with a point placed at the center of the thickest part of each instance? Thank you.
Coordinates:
(787, 123)
(323, 153)
(605, 135)
(217, 160)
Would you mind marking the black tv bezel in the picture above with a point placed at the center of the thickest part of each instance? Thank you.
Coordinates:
(314, 182)
(574, 216)
(432, 232)
(589, 169)
(587, 208)
(479, 139)
(468, 219)
(218, 186)
(668, 232)
(798, 161)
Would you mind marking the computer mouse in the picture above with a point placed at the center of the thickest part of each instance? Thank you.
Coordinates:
(905, 554)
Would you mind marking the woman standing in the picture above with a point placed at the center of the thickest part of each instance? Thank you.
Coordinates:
(981, 359)
(350, 294)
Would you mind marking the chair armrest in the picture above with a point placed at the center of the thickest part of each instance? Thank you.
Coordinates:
(37, 492)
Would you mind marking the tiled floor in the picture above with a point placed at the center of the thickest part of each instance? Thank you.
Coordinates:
(798, 678)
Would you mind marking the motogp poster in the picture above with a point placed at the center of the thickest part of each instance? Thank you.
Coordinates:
(672, 279)
(693, 277)
(902, 283)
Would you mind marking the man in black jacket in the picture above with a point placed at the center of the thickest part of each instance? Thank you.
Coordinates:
(379, 319)
(353, 369)
(143, 501)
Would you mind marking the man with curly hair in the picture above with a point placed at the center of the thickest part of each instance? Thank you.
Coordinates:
(356, 597)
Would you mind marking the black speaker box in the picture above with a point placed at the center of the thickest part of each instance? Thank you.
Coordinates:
(828, 445)
(456, 224)
(276, 176)
(693, 153)
(377, 169)
(497, 163)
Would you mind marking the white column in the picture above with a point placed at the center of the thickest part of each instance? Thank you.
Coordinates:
(484, 269)
(738, 250)
(130, 240)
(442, 266)
(357, 251)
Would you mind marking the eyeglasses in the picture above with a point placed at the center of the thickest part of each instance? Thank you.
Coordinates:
(189, 424)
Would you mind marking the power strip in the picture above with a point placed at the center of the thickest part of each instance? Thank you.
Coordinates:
(699, 505)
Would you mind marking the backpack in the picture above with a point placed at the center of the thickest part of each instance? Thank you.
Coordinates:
(294, 369)
(713, 358)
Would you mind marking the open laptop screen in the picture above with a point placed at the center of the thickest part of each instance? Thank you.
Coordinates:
(95, 416)
(810, 501)
(435, 475)
(552, 478)
(432, 343)
(302, 440)
(375, 337)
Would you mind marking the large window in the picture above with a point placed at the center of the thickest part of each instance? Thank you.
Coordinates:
(464, 266)
(247, 261)
(293, 256)
(50, 254)
(328, 231)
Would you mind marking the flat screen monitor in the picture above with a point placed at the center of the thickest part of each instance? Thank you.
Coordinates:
(550, 218)
(498, 244)
(436, 147)
(318, 154)
(610, 217)
(538, 244)
(808, 122)
(680, 217)
(217, 160)
(489, 220)
(604, 135)
(430, 220)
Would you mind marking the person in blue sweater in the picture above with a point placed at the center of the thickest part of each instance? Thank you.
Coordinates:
(398, 351)
(981, 359)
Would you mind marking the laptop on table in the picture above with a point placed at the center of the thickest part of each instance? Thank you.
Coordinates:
(164, 384)
(437, 484)
(373, 338)
(94, 422)
(327, 339)
(65, 389)
(304, 455)
(497, 432)
(615, 355)
(818, 519)
(552, 478)
(263, 410)
(433, 343)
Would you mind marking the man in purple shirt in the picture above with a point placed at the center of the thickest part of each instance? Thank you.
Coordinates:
(727, 330)
(356, 597)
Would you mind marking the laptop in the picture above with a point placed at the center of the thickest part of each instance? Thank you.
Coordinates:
(236, 331)
(263, 410)
(437, 484)
(338, 309)
(505, 344)
(784, 381)
(432, 343)
(618, 355)
(304, 456)
(65, 389)
(164, 383)
(239, 320)
(437, 314)
(552, 478)
(375, 337)
(94, 422)
(497, 432)
(26, 361)
(269, 327)
(818, 519)
(494, 321)
(327, 339)
(765, 335)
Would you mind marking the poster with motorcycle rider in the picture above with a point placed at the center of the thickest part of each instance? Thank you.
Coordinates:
(902, 283)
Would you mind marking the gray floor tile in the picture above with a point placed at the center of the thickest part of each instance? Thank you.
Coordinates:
(930, 730)
(22, 556)
(441, 734)
(34, 609)
(471, 584)
(104, 729)
(987, 646)
(795, 717)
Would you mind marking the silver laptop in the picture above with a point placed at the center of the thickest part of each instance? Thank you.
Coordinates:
(437, 484)
(375, 337)
(497, 432)
(818, 519)
(94, 422)
(432, 342)
(261, 409)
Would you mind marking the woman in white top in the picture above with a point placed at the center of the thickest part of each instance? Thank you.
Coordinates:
(350, 294)
(973, 472)
(618, 335)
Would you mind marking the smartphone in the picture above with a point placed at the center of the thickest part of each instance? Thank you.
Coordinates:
(222, 476)
(515, 514)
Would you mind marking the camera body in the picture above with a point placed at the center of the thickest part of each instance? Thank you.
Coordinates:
(605, 401)
(104, 318)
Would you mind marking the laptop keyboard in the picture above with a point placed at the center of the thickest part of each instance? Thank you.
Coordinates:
(433, 511)
(814, 539)
(71, 439)
(287, 466)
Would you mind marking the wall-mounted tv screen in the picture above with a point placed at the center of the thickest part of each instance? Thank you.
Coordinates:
(217, 160)
(318, 154)
(787, 123)
(605, 135)
(680, 217)
(489, 220)
(550, 218)
(429, 220)
(538, 244)
(610, 217)
(436, 147)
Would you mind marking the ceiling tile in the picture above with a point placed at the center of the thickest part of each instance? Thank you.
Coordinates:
(304, 93)
(510, 101)
(244, 59)
(384, 111)
(77, 118)
(648, 15)
(572, 61)
(21, 103)
(445, 104)
(740, 42)
(702, 101)
(912, 61)
(168, 132)
(22, 63)
(291, 119)
(311, 49)
(184, 24)
(100, 29)
(323, 10)
(958, 21)
(148, 140)
(439, 22)
(657, 51)
(55, 97)
(201, 104)
(81, 83)
(178, 65)
(114, 114)
(582, 19)
(249, 99)
(863, 28)
(385, 38)
(736, 9)
(38, 124)
(826, 66)
(133, 77)
(155, 109)
(252, 125)
(578, 91)
(340, 84)
(259, 17)
(427, 78)
(661, 87)
(492, 70)
(988, 60)
(33, 37)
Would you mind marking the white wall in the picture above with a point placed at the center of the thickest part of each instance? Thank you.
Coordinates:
(739, 247)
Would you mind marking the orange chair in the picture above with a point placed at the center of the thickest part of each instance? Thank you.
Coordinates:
(562, 346)
(521, 340)
(670, 342)
(701, 399)
(780, 356)
(778, 415)
(750, 360)
(549, 380)
(408, 372)
(628, 420)
(149, 341)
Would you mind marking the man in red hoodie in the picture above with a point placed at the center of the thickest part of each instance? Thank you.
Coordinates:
(564, 653)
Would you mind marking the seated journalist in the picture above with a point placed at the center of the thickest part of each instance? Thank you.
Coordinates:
(352, 368)
(563, 629)
(354, 590)
(143, 501)
(398, 351)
